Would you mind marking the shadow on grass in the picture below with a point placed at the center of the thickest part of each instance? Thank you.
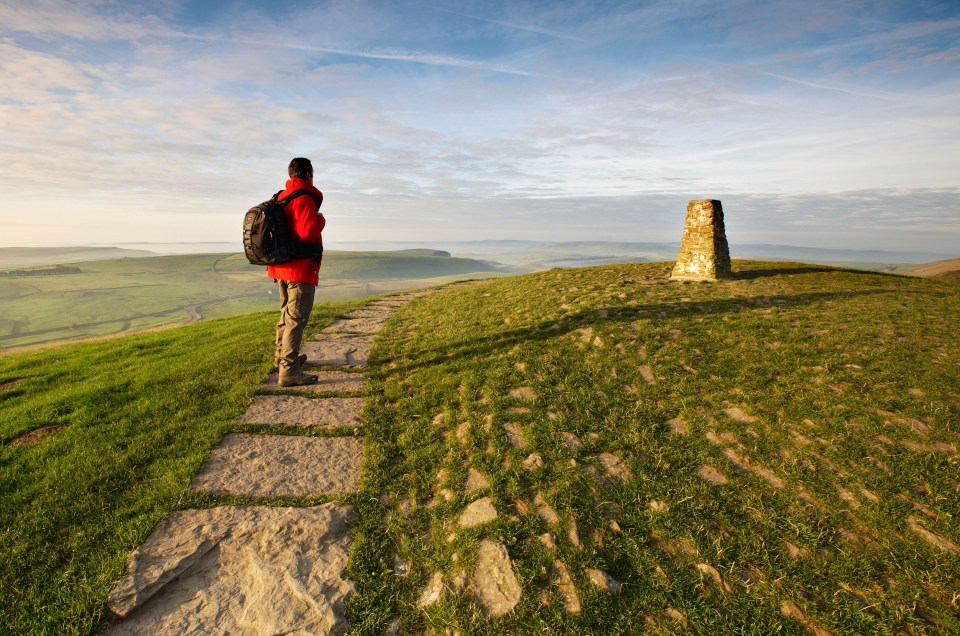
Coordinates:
(619, 313)
(752, 274)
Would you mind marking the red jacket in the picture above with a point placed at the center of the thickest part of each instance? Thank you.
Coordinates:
(306, 223)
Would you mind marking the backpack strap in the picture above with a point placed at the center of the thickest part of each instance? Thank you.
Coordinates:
(293, 195)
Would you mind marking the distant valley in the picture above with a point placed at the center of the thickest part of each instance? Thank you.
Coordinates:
(54, 302)
(59, 294)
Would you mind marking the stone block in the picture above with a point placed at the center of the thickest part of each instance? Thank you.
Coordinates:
(339, 350)
(281, 466)
(704, 252)
(239, 569)
(289, 410)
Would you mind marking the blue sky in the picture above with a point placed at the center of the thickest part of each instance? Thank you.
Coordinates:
(826, 124)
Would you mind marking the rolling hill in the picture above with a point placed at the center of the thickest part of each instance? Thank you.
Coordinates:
(89, 299)
(775, 453)
(948, 270)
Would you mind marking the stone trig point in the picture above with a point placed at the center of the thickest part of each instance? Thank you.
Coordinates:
(704, 253)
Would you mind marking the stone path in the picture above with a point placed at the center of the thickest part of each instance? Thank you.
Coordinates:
(266, 569)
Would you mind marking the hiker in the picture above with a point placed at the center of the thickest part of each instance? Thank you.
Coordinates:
(297, 279)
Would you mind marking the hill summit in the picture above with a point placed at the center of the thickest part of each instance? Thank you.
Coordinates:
(773, 453)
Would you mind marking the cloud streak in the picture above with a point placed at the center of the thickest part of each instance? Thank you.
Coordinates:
(427, 59)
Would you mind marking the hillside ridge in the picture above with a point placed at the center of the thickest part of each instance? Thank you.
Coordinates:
(775, 452)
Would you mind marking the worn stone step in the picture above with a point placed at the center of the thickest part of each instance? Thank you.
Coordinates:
(239, 570)
(306, 412)
(371, 312)
(281, 466)
(368, 324)
(346, 350)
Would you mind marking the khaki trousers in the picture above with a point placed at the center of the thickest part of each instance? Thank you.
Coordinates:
(296, 303)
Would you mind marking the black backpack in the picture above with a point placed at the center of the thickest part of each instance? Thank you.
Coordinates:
(267, 239)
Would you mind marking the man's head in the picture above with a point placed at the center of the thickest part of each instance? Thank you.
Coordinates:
(301, 167)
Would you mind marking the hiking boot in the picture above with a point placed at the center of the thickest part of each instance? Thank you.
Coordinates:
(300, 379)
(302, 359)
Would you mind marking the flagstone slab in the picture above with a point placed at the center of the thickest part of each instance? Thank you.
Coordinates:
(307, 412)
(339, 350)
(239, 570)
(281, 466)
(371, 311)
(367, 324)
(328, 381)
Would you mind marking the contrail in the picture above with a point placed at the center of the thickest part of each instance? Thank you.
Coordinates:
(383, 54)
(827, 87)
(513, 25)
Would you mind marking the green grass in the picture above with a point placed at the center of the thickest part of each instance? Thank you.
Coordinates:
(834, 391)
(837, 374)
(141, 414)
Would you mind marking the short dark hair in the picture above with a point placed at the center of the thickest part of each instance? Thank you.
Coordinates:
(300, 167)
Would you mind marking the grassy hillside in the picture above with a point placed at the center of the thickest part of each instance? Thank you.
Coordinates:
(109, 297)
(791, 439)
(128, 422)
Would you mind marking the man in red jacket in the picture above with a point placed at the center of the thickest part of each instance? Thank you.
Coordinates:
(297, 279)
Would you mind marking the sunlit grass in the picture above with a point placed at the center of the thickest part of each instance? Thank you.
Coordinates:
(139, 416)
(827, 400)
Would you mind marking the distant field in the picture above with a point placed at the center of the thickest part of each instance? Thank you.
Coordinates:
(108, 297)
(11, 257)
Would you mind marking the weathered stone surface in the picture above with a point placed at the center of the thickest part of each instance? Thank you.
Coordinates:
(712, 475)
(515, 435)
(302, 411)
(713, 573)
(614, 467)
(281, 466)
(523, 393)
(494, 583)
(239, 569)
(371, 312)
(561, 578)
(603, 581)
(432, 592)
(549, 540)
(346, 350)
(544, 510)
(479, 512)
(327, 382)
(533, 461)
(366, 324)
(658, 506)
(476, 480)
(573, 533)
(571, 440)
(704, 252)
